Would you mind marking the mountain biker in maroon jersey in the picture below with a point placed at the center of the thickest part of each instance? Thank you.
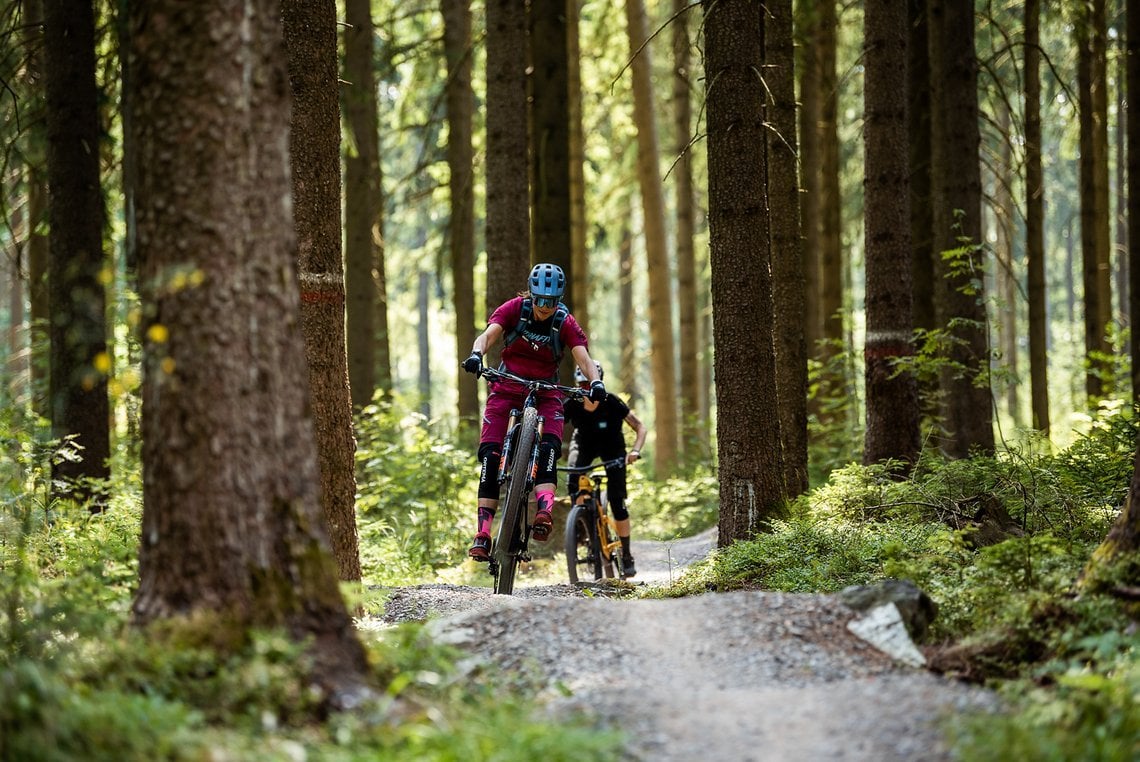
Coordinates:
(598, 434)
(534, 326)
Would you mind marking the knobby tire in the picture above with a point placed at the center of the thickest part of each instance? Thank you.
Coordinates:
(577, 539)
(510, 539)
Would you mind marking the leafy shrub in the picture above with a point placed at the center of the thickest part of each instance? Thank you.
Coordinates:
(417, 496)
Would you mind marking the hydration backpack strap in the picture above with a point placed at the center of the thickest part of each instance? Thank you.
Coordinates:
(555, 326)
(556, 330)
(524, 318)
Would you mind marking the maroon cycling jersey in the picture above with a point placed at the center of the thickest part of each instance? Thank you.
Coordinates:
(531, 355)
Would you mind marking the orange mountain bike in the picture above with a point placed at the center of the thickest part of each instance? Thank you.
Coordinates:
(517, 469)
(592, 544)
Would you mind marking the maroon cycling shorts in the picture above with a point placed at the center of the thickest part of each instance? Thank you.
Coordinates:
(500, 402)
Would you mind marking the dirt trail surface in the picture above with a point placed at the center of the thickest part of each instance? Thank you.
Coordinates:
(733, 676)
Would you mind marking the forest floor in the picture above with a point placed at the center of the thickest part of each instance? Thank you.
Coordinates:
(745, 675)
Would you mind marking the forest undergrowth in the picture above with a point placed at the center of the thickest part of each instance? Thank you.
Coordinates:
(998, 542)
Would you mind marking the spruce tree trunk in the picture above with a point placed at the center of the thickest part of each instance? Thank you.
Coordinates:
(957, 196)
(918, 131)
(661, 338)
(232, 533)
(579, 269)
(80, 409)
(892, 397)
(461, 228)
(1133, 42)
(314, 147)
(786, 249)
(508, 200)
(694, 427)
(369, 364)
(1093, 108)
(811, 169)
(750, 465)
(1035, 222)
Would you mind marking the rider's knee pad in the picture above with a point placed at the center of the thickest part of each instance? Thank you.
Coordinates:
(549, 451)
(617, 507)
(489, 455)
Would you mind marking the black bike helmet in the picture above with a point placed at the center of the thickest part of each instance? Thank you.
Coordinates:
(547, 285)
(580, 377)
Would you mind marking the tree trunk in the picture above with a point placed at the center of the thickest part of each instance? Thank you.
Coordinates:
(627, 314)
(550, 120)
(892, 396)
(232, 536)
(810, 168)
(694, 427)
(750, 464)
(656, 248)
(461, 229)
(957, 199)
(79, 359)
(423, 341)
(579, 270)
(508, 201)
(39, 310)
(787, 246)
(1116, 561)
(314, 149)
(1035, 221)
(1132, 38)
(831, 202)
(369, 365)
(1093, 108)
(1005, 264)
(918, 131)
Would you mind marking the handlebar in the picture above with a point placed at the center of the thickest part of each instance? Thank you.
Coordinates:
(533, 384)
(614, 463)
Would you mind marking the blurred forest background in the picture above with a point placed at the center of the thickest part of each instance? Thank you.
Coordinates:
(866, 276)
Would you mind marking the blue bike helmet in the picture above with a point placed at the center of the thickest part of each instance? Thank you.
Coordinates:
(547, 284)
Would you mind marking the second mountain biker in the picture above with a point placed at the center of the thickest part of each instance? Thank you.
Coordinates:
(535, 327)
(598, 434)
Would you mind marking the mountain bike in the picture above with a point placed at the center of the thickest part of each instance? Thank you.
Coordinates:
(592, 542)
(517, 469)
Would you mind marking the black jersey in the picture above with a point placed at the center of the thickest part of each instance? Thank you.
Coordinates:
(599, 431)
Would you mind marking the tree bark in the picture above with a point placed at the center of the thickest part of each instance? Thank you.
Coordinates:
(811, 169)
(461, 227)
(957, 204)
(787, 244)
(232, 534)
(892, 394)
(918, 130)
(579, 270)
(661, 340)
(694, 427)
(1035, 222)
(508, 201)
(314, 148)
(550, 138)
(366, 325)
(80, 409)
(1093, 108)
(750, 463)
(1132, 38)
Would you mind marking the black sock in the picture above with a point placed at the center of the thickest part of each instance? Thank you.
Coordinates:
(625, 547)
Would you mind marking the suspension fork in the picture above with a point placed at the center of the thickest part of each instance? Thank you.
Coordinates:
(508, 445)
(533, 473)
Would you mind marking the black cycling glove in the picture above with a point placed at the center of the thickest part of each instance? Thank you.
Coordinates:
(597, 391)
(474, 363)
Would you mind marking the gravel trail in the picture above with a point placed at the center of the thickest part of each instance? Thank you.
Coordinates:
(741, 676)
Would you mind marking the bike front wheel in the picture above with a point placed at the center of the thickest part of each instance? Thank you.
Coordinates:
(511, 539)
(583, 553)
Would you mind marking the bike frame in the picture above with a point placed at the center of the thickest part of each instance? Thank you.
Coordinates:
(511, 543)
(591, 483)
